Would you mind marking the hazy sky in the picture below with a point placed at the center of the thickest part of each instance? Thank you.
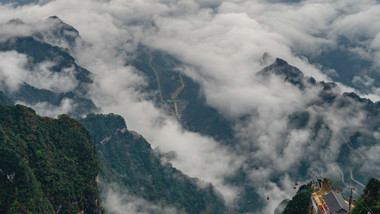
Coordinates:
(221, 44)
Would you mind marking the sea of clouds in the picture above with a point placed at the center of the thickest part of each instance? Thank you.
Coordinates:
(221, 44)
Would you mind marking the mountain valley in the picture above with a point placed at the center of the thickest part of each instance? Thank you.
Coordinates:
(215, 124)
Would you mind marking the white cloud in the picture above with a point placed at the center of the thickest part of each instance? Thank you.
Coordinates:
(12, 72)
(372, 156)
(221, 47)
(49, 110)
(364, 80)
(120, 202)
(43, 77)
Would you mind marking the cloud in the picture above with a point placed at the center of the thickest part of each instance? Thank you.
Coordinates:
(221, 44)
(116, 201)
(43, 77)
(49, 110)
(365, 80)
(372, 155)
(13, 73)
(12, 70)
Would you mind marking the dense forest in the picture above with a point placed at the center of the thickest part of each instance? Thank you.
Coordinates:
(128, 160)
(300, 203)
(195, 114)
(370, 200)
(50, 166)
(38, 53)
(46, 165)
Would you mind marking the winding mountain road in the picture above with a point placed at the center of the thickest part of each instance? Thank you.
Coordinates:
(362, 157)
(357, 152)
(178, 90)
(157, 78)
(352, 178)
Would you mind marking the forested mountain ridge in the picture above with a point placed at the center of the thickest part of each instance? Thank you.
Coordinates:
(193, 111)
(323, 100)
(369, 201)
(128, 161)
(46, 165)
(5, 100)
(311, 132)
(48, 74)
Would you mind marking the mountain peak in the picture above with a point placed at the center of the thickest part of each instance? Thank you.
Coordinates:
(58, 33)
(281, 68)
(53, 17)
(281, 62)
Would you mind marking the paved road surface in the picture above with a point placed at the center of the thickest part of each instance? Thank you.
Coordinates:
(157, 78)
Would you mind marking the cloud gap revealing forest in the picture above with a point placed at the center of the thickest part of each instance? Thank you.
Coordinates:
(217, 106)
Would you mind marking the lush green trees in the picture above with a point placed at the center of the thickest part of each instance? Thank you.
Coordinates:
(46, 164)
(196, 114)
(370, 200)
(300, 203)
(5, 100)
(128, 160)
(40, 52)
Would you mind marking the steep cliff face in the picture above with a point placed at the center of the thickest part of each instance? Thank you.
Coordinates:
(46, 165)
(128, 161)
(48, 74)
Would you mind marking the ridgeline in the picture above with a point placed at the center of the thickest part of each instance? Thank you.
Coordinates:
(46, 165)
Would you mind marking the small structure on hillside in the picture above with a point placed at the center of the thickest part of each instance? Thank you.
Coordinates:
(327, 201)
(335, 203)
(319, 205)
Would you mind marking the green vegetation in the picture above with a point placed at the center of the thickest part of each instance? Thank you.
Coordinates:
(370, 200)
(5, 100)
(128, 160)
(39, 52)
(46, 165)
(102, 126)
(32, 95)
(281, 206)
(197, 116)
(300, 203)
(299, 120)
(201, 118)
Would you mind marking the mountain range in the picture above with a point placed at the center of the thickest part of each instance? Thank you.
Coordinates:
(52, 82)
